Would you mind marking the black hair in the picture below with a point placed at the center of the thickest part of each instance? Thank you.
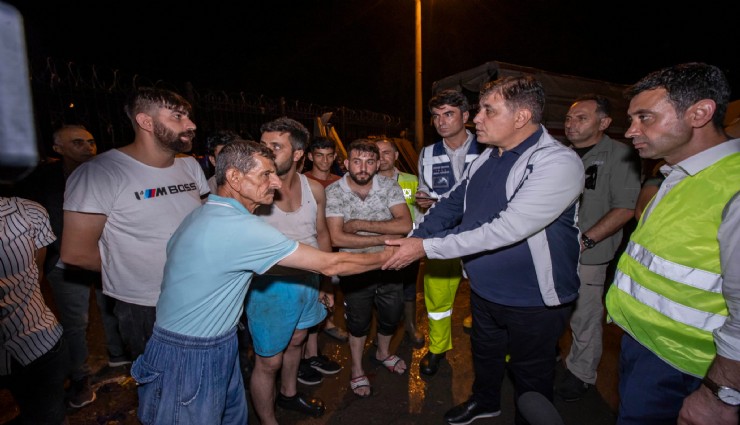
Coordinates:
(523, 91)
(686, 84)
(451, 98)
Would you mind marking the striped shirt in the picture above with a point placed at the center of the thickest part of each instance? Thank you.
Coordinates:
(28, 329)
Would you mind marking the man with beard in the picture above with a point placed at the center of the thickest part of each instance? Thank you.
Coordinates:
(363, 210)
(121, 207)
(284, 308)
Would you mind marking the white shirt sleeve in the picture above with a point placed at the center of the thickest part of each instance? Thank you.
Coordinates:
(727, 337)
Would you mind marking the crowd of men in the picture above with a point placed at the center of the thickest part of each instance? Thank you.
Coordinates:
(183, 267)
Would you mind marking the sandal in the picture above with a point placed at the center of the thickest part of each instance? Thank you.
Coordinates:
(337, 333)
(360, 382)
(391, 363)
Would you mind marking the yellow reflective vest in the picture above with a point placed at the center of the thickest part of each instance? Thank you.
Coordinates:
(667, 288)
(409, 183)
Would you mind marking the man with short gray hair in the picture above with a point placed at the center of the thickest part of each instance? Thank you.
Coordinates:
(193, 353)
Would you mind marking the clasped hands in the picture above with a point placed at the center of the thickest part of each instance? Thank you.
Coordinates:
(407, 250)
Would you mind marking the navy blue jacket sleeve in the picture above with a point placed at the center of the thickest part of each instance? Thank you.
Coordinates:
(445, 214)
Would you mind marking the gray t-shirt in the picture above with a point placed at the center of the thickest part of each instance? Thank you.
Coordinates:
(615, 171)
(341, 201)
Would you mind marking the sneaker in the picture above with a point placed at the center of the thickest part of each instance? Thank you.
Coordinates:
(323, 364)
(81, 393)
(118, 361)
(308, 375)
(467, 412)
(571, 388)
(301, 403)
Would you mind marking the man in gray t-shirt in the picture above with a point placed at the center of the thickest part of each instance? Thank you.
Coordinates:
(612, 184)
(363, 210)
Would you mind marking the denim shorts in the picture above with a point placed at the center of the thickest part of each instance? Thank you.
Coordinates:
(189, 380)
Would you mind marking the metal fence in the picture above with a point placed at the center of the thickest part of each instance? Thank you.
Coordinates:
(68, 93)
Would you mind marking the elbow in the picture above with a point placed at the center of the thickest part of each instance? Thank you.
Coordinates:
(79, 260)
(339, 240)
(406, 226)
(73, 260)
(68, 259)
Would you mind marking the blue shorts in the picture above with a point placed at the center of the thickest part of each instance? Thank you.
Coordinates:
(277, 306)
(190, 380)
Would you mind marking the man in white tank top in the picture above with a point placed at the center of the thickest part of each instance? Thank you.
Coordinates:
(282, 308)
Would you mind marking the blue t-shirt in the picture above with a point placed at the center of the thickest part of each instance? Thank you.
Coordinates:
(211, 260)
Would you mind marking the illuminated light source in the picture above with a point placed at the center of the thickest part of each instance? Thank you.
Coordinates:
(417, 74)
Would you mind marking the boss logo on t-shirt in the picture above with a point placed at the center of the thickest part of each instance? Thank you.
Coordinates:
(165, 190)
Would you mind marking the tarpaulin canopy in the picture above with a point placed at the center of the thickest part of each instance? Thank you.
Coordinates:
(560, 91)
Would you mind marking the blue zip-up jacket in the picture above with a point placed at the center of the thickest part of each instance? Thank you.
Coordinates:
(542, 191)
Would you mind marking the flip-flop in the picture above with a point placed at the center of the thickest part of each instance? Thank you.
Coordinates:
(389, 363)
(360, 382)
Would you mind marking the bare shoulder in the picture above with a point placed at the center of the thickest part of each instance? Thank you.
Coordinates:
(316, 188)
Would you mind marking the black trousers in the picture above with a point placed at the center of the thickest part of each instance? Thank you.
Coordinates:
(527, 335)
(38, 387)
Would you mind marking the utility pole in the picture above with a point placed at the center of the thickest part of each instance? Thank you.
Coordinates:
(418, 118)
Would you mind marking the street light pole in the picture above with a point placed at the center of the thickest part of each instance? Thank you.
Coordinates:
(419, 111)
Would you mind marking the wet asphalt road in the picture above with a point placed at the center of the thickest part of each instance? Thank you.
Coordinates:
(396, 399)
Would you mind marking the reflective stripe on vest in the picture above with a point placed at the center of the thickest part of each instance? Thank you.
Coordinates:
(667, 288)
(676, 311)
(701, 279)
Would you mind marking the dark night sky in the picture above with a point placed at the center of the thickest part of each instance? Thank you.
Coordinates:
(360, 53)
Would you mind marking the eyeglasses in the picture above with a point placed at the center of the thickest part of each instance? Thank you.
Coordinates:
(592, 172)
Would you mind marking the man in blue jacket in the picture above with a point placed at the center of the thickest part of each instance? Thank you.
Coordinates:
(512, 221)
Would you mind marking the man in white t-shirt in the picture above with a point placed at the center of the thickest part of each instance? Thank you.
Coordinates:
(121, 208)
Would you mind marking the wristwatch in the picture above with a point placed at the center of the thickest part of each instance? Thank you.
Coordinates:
(587, 242)
(724, 394)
